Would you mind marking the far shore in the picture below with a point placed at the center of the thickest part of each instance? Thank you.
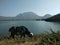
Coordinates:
(23, 20)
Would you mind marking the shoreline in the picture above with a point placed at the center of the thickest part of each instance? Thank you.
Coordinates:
(52, 38)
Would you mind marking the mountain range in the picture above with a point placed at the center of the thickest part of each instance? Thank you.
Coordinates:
(25, 15)
(28, 15)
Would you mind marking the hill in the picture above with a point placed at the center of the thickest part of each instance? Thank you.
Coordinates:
(28, 15)
(46, 16)
(55, 18)
(25, 16)
(22, 16)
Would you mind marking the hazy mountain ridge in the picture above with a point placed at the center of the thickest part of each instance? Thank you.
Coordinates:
(25, 15)
(28, 15)
(46, 16)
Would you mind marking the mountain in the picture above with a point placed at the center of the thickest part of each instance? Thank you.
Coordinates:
(7, 18)
(22, 16)
(3, 18)
(46, 16)
(55, 18)
(28, 15)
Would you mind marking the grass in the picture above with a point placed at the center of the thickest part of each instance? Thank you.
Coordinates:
(52, 38)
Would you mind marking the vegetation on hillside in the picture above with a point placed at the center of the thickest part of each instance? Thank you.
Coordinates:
(55, 18)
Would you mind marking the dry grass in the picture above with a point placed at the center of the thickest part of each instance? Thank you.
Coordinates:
(43, 39)
(17, 42)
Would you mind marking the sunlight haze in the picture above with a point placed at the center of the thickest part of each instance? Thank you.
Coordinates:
(40, 7)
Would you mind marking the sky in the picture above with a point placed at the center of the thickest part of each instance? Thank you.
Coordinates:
(40, 7)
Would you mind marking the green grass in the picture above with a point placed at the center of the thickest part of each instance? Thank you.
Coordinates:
(52, 38)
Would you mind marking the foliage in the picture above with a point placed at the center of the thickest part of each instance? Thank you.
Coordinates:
(52, 38)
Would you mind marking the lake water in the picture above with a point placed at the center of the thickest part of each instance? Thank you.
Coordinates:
(36, 27)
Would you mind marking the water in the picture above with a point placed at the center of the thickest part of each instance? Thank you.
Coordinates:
(36, 27)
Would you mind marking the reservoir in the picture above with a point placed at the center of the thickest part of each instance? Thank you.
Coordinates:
(35, 27)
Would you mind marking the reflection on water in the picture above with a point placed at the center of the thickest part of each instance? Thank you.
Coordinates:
(36, 27)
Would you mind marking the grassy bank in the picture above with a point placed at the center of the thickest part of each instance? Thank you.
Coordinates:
(52, 38)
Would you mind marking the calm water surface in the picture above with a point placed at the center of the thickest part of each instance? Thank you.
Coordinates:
(36, 27)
